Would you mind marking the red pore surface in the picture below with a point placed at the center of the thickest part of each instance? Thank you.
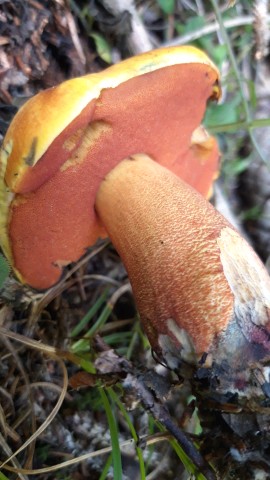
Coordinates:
(52, 220)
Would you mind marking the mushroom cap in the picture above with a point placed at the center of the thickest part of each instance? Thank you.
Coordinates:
(65, 140)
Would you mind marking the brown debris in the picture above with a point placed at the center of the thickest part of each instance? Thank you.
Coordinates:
(40, 48)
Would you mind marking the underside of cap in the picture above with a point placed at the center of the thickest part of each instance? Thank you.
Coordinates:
(51, 221)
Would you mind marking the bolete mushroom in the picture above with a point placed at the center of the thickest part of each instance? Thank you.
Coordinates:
(64, 140)
(122, 151)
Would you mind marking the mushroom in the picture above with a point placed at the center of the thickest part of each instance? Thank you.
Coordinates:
(64, 140)
(123, 153)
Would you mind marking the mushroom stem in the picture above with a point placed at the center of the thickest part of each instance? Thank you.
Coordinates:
(194, 277)
(166, 235)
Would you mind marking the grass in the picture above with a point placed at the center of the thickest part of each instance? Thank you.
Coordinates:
(4, 270)
(116, 452)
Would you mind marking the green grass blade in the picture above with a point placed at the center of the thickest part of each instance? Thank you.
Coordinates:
(4, 270)
(83, 344)
(116, 452)
(133, 432)
(89, 315)
(238, 76)
(106, 468)
(185, 460)
(3, 477)
(242, 125)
